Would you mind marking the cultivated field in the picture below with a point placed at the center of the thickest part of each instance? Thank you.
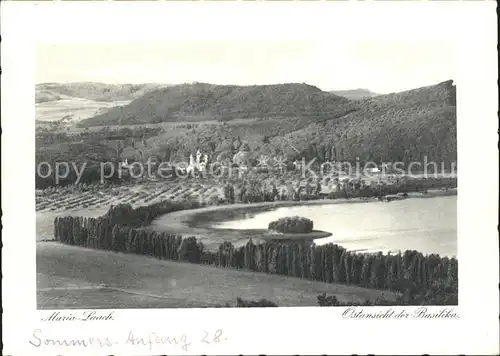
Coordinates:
(71, 199)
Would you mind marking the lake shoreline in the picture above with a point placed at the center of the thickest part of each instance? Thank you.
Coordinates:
(200, 222)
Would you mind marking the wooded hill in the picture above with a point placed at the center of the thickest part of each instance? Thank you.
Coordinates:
(301, 120)
(403, 126)
(291, 121)
(201, 102)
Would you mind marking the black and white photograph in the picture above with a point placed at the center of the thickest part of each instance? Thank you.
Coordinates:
(249, 178)
(189, 174)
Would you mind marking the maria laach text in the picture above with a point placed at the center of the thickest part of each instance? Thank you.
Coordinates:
(82, 316)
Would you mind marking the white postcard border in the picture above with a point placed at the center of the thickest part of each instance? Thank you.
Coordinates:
(471, 25)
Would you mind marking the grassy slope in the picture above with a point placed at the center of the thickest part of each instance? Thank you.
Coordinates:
(73, 277)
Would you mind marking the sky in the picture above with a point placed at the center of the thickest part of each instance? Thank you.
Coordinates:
(380, 66)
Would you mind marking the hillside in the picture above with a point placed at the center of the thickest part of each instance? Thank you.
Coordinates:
(295, 121)
(406, 126)
(302, 121)
(355, 94)
(43, 95)
(200, 101)
(402, 126)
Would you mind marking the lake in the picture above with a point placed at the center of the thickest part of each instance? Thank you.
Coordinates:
(426, 225)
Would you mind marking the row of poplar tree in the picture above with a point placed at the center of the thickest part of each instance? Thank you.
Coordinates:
(327, 263)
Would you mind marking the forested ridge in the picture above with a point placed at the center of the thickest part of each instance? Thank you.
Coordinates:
(201, 101)
(287, 122)
(403, 126)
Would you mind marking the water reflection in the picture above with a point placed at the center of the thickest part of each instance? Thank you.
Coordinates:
(425, 225)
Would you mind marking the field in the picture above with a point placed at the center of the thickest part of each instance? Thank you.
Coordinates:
(71, 109)
(71, 200)
(93, 203)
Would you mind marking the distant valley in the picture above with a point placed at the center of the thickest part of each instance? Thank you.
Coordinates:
(355, 94)
(72, 102)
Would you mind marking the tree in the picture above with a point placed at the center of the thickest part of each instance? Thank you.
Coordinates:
(317, 191)
(229, 193)
(274, 192)
(116, 236)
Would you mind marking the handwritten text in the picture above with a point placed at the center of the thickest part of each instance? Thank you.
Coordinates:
(138, 340)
